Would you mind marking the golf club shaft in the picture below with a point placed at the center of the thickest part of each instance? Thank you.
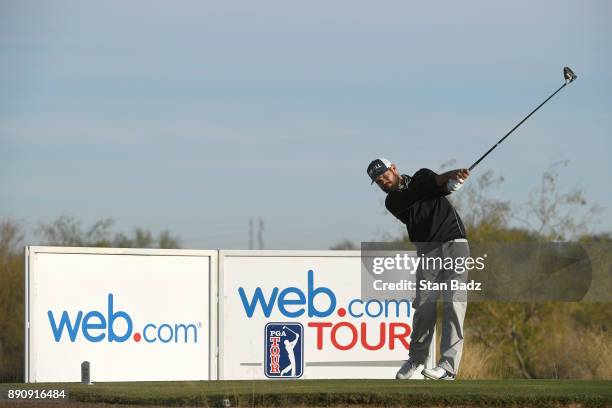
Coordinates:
(514, 128)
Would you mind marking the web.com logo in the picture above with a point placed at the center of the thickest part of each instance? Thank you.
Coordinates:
(370, 324)
(96, 326)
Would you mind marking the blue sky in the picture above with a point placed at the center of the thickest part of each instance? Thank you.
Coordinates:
(195, 116)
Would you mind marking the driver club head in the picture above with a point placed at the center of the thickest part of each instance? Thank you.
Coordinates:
(569, 75)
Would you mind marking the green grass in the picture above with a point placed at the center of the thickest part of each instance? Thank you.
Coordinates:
(534, 393)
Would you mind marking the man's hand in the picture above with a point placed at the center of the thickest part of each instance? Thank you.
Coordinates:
(453, 180)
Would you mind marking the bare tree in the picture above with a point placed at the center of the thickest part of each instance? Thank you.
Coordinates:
(345, 244)
(557, 215)
(476, 205)
(67, 231)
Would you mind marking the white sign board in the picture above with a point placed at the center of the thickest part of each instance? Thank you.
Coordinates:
(134, 315)
(299, 314)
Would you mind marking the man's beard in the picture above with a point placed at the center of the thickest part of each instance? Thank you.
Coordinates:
(393, 187)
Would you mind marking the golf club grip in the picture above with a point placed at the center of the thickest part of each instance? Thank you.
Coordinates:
(514, 128)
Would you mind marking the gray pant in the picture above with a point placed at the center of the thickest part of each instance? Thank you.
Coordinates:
(455, 305)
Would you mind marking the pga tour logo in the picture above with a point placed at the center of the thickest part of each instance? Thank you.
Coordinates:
(284, 344)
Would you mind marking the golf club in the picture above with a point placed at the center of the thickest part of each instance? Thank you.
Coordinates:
(569, 76)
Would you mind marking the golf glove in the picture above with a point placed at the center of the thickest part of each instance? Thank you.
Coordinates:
(454, 185)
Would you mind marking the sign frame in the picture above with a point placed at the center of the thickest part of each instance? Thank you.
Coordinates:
(211, 326)
(224, 254)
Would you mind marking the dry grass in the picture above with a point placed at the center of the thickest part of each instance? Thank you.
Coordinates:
(476, 363)
(578, 355)
(566, 354)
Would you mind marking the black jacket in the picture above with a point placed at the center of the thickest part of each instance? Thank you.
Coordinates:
(422, 205)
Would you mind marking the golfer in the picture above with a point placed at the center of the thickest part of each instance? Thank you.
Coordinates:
(289, 346)
(437, 231)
